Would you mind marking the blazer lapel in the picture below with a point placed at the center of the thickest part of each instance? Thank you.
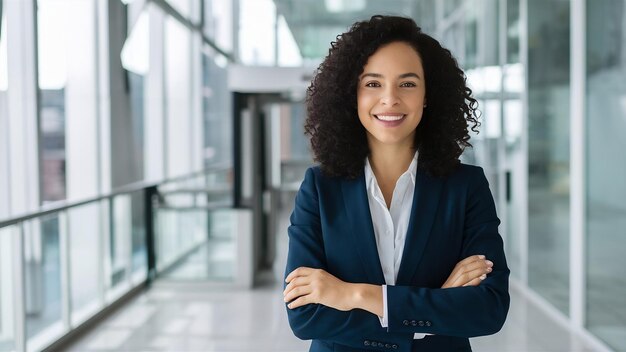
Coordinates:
(360, 220)
(423, 212)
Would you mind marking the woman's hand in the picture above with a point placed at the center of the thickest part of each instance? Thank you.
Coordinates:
(307, 285)
(470, 271)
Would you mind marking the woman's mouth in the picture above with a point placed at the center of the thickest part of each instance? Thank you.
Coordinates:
(390, 120)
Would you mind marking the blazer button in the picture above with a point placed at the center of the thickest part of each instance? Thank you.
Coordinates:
(421, 323)
(413, 323)
(428, 323)
(366, 343)
(394, 346)
(405, 322)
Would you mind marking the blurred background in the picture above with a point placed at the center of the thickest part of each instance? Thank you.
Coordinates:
(150, 151)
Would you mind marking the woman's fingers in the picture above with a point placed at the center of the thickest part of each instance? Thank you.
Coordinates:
(476, 281)
(301, 301)
(298, 281)
(476, 273)
(297, 292)
(301, 271)
(468, 272)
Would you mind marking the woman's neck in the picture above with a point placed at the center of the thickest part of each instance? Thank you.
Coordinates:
(390, 162)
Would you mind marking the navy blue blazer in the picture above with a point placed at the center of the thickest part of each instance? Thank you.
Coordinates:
(452, 218)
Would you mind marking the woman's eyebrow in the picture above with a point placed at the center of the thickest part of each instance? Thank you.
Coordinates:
(378, 75)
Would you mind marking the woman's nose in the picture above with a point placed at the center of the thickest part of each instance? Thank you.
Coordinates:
(390, 97)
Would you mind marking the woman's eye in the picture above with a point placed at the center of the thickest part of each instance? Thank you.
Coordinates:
(372, 84)
(408, 84)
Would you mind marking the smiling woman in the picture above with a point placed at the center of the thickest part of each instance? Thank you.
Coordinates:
(393, 243)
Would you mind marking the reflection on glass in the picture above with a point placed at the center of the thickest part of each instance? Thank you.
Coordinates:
(42, 274)
(7, 340)
(216, 106)
(548, 150)
(139, 253)
(119, 238)
(512, 31)
(606, 171)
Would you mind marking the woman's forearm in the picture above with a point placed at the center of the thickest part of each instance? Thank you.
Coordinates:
(368, 297)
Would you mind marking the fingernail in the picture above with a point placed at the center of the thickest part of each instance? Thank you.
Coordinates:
(481, 256)
(489, 262)
(483, 276)
(489, 270)
(289, 305)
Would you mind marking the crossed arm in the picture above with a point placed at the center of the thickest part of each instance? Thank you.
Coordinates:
(309, 285)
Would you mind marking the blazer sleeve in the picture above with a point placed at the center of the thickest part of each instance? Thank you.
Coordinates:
(460, 311)
(356, 328)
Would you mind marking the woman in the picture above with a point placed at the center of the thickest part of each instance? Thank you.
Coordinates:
(393, 243)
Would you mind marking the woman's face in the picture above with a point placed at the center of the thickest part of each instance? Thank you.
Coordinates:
(390, 95)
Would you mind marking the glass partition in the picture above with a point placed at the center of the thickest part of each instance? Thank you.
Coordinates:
(606, 171)
(548, 150)
(195, 236)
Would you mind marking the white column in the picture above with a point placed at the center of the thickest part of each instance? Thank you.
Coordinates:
(104, 99)
(81, 113)
(177, 97)
(22, 141)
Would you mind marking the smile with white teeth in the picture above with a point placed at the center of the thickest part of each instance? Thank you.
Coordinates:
(389, 117)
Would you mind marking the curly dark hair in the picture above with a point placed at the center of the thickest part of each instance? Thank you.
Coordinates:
(338, 138)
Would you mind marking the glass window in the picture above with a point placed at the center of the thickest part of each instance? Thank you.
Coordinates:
(85, 261)
(606, 171)
(42, 278)
(218, 22)
(548, 150)
(257, 40)
(68, 98)
(4, 123)
(7, 338)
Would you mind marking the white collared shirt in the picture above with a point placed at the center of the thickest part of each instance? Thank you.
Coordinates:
(391, 225)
